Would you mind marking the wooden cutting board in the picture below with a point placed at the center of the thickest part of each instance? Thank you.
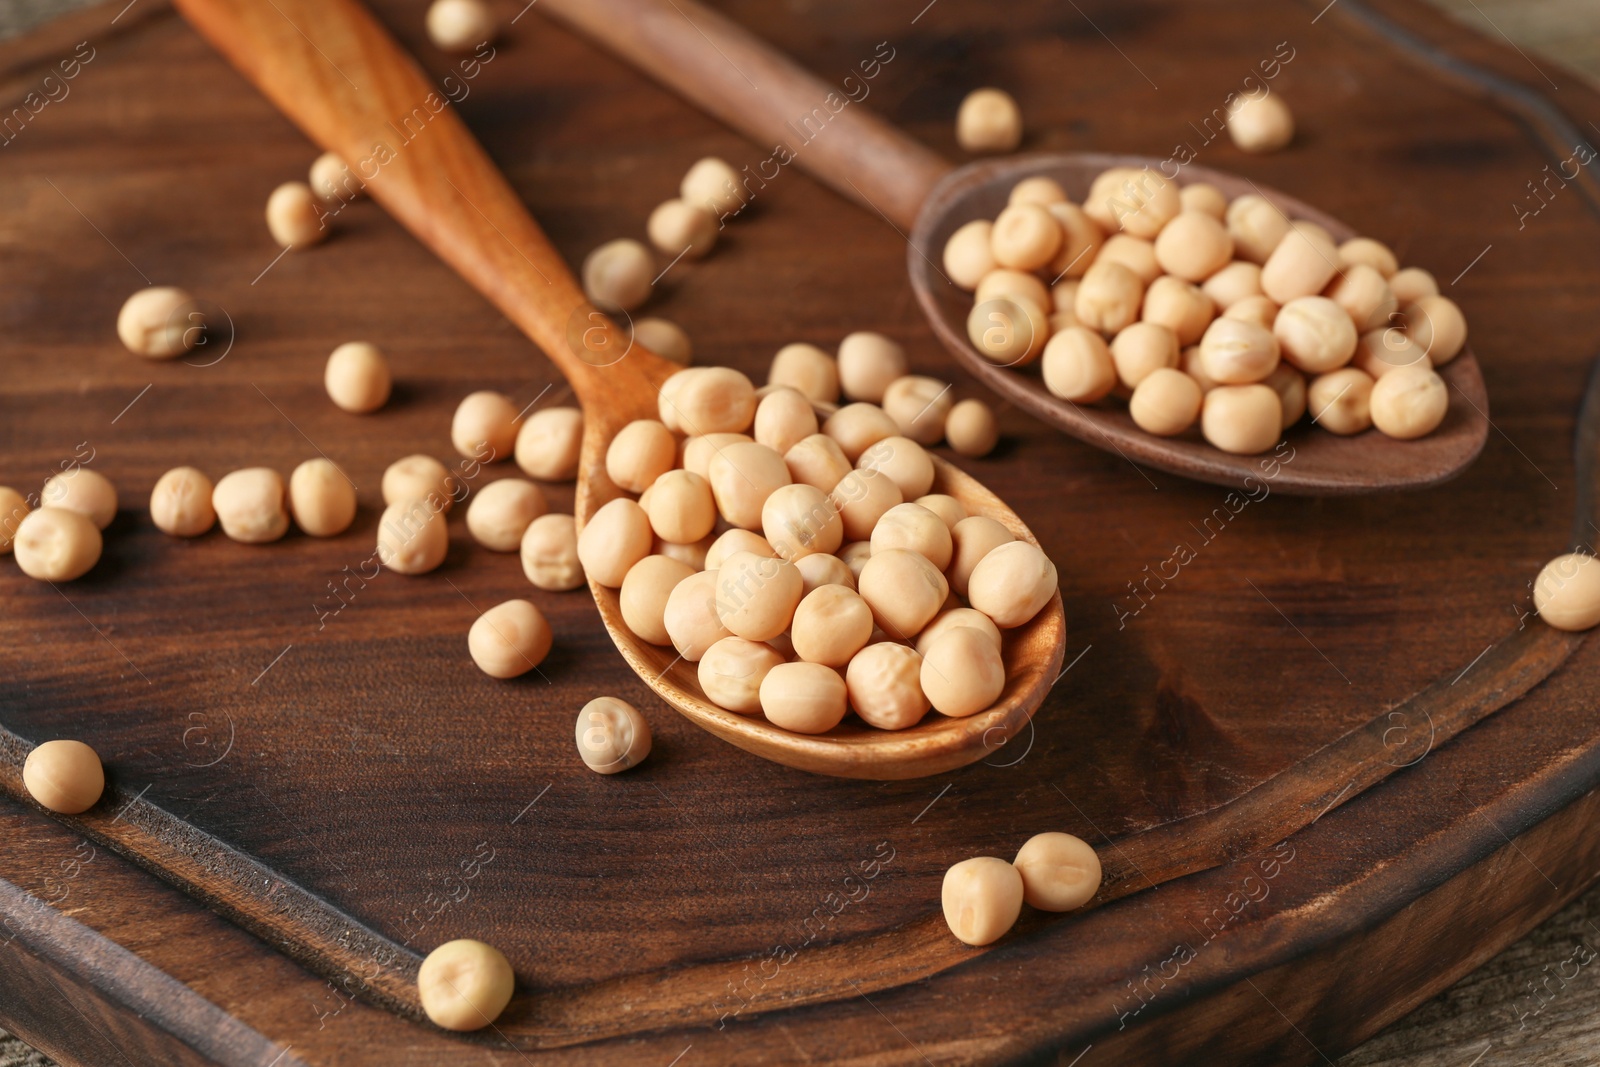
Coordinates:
(328, 788)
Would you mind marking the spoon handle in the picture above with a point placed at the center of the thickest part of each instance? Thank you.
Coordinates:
(331, 68)
(728, 72)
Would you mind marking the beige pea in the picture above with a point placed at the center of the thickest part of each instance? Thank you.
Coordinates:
(160, 322)
(867, 363)
(644, 595)
(732, 670)
(357, 377)
(918, 405)
(1381, 351)
(1194, 246)
(549, 443)
(460, 26)
(549, 553)
(464, 984)
(1108, 297)
(962, 673)
(819, 461)
(906, 463)
(1242, 419)
(332, 180)
(1135, 253)
(799, 520)
(742, 476)
(1341, 402)
(665, 338)
(88, 492)
(946, 507)
(706, 400)
(322, 501)
(1256, 226)
(682, 509)
(250, 505)
(1409, 403)
(485, 426)
(1412, 284)
(1138, 201)
(1204, 197)
(967, 255)
(617, 275)
(862, 497)
(971, 540)
(679, 228)
(1315, 334)
(713, 185)
(500, 513)
(1063, 298)
(509, 639)
(1059, 872)
(970, 428)
(1012, 583)
(854, 556)
(641, 452)
(989, 121)
(1008, 330)
(1364, 296)
(857, 427)
(1234, 352)
(56, 545)
(904, 589)
(1141, 349)
(1261, 124)
(64, 776)
(615, 538)
(1078, 366)
(808, 370)
(981, 898)
(831, 625)
(955, 618)
(691, 552)
(612, 736)
(690, 616)
(1290, 385)
(884, 687)
(820, 569)
(736, 540)
(1233, 283)
(295, 216)
(1302, 265)
(1260, 310)
(1567, 592)
(412, 536)
(1190, 363)
(1025, 237)
(1166, 402)
(1371, 253)
(1006, 282)
(696, 453)
(1437, 326)
(916, 529)
(416, 477)
(1038, 189)
(757, 595)
(1081, 238)
(784, 418)
(806, 698)
(14, 508)
(1180, 307)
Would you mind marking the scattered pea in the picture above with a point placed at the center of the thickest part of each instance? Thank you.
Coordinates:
(56, 545)
(294, 216)
(460, 25)
(1567, 592)
(1261, 123)
(549, 553)
(509, 639)
(322, 500)
(416, 477)
(549, 443)
(251, 505)
(982, 898)
(412, 537)
(612, 735)
(88, 492)
(357, 377)
(618, 275)
(1059, 872)
(64, 776)
(679, 228)
(713, 185)
(332, 181)
(160, 322)
(989, 121)
(501, 512)
(868, 362)
(14, 508)
(464, 984)
(918, 405)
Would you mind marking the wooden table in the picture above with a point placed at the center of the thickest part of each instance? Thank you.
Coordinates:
(365, 763)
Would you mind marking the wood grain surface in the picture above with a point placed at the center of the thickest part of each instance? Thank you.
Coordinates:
(365, 762)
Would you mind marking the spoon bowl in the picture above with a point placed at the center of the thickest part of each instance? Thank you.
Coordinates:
(1323, 463)
(446, 190)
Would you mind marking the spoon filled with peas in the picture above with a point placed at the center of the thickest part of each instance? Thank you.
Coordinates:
(1187, 319)
(767, 565)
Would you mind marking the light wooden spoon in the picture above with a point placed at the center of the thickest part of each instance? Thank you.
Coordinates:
(336, 72)
(733, 75)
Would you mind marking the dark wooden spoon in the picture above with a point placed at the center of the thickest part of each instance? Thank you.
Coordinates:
(726, 71)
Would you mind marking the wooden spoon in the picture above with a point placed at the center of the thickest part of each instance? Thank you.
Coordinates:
(726, 71)
(335, 71)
